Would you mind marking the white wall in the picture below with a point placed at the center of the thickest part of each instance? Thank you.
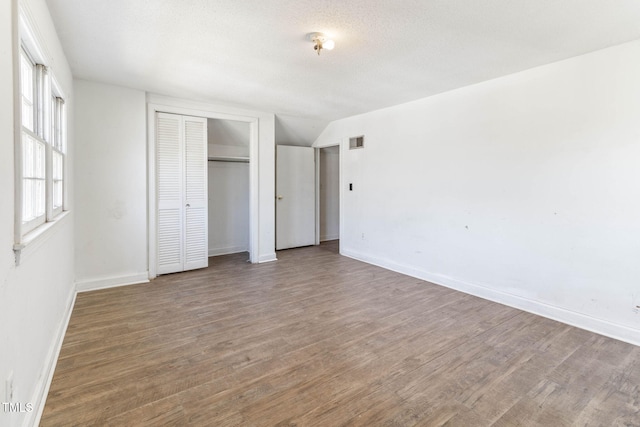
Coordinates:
(523, 189)
(329, 193)
(36, 296)
(228, 138)
(228, 207)
(111, 185)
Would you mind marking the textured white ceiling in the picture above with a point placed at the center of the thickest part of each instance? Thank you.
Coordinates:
(253, 53)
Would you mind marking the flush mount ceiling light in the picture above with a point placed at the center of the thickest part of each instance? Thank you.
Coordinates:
(321, 41)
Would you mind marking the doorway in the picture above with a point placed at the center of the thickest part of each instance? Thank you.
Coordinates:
(328, 191)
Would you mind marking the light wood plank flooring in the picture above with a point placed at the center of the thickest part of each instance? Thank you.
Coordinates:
(316, 339)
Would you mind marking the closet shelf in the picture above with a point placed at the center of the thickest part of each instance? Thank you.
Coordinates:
(228, 159)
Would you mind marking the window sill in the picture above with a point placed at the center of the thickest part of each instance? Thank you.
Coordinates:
(34, 239)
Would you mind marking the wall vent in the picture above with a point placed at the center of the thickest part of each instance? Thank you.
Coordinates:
(356, 142)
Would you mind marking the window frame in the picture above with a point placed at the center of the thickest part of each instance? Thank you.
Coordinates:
(58, 146)
(47, 130)
(34, 168)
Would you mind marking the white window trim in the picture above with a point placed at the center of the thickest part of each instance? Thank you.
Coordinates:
(34, 239)
(58, 93)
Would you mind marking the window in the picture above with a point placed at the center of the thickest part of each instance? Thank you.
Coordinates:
(57, 154)
(26, 80)
(43, 146)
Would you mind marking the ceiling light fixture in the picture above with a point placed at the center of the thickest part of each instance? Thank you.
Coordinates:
(321, 41)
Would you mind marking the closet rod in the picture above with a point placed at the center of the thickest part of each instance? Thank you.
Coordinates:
(229, 159)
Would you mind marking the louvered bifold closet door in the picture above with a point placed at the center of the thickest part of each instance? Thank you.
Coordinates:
(196, 199)
(169, 184)
(181, 182)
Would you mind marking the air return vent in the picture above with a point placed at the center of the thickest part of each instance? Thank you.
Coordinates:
(356, 142)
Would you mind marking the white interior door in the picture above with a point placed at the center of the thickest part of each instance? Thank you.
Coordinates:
(169, 183)
(181, 183)
(196, 200)
(295, 196)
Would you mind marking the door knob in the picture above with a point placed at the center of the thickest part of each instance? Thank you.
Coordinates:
(279, 197)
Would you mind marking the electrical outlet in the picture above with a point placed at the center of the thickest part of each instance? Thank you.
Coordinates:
(9, 388)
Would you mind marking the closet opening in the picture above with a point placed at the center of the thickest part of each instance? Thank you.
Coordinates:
(228, 145)
(261, 165)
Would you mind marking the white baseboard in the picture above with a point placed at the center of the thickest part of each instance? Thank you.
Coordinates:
(267, 258)
(111, 282)
(42, 388)
(331, 237)
(573, 318)
(227, 251)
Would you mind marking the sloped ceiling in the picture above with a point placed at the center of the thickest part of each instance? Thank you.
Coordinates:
(254, 54)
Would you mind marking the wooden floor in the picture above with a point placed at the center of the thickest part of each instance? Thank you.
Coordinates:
(317, 339)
